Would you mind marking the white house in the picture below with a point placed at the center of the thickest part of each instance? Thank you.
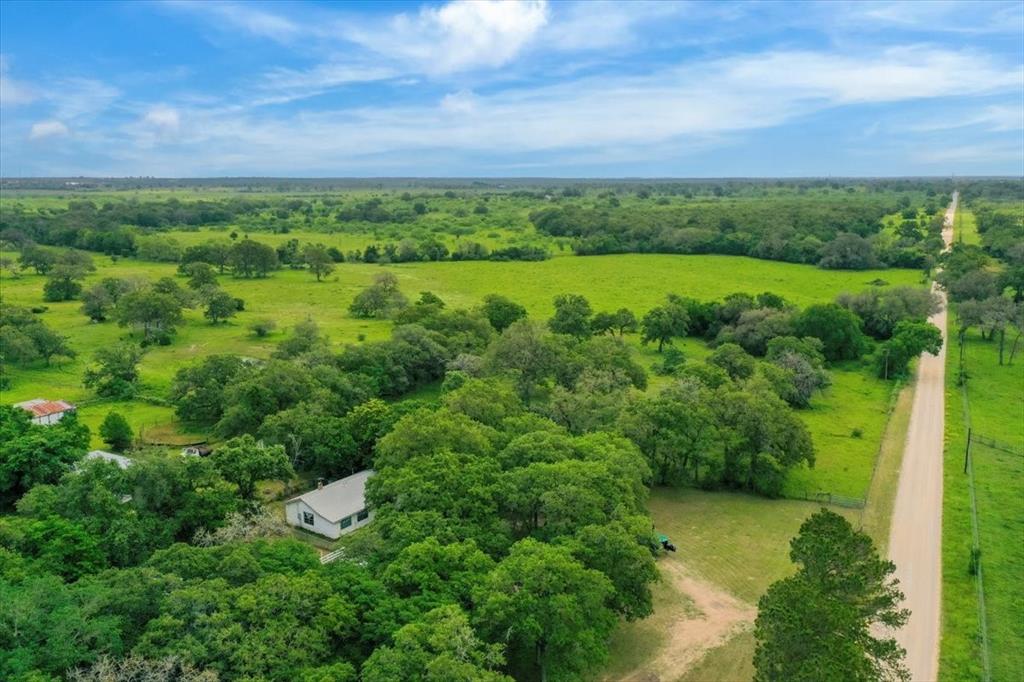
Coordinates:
(119, 460)
(44, 411)
(332, 510)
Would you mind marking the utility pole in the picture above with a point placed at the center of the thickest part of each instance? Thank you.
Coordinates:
(967, 451)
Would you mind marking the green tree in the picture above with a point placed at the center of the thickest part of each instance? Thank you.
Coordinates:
(50, 627)
(116, 432)
(65, 282)
(198, 390)
(664, 323)
(440, 647)
(614, 550)
(318, 259)
(528, 354)
(200, 275)
(572, 316)
(381, 299)
(501, 312)
(36, 257)
(838, 329)
(252, 259)
(821, 622)
(547, 606)
(47, 343)
(428, 574)
(675, 430)
(32, 454)
(909, 340)
(99, 300)
(244, 461)
(737, 363)
(116, 372)
(220, 305)
(157, 314)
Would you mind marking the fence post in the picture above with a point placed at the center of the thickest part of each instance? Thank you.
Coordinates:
(967, 450)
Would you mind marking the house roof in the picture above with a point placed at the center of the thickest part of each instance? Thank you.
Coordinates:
(337, 500)
(40, 407)
(119, 460)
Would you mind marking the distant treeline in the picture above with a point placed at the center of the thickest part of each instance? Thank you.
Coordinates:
(833, 231)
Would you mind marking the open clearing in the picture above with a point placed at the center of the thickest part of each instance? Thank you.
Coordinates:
(715, 617)
(740, 540)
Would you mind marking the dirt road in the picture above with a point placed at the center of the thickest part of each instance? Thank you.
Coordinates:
(915, 537)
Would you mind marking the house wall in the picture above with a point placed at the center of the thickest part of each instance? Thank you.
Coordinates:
(321, 526)
(48, 419)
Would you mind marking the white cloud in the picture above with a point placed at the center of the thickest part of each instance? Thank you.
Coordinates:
(45, 129)
(285, 85)
(80, 97)
(163, 118)
(997, 118)
(243, 16)
(673, 109)
(971, 153)
(461, 102)
(461, 35)
(594, 24)
(890, 75)
(12, 92)
(931, 15)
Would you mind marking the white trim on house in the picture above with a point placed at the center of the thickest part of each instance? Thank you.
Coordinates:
(332, 510)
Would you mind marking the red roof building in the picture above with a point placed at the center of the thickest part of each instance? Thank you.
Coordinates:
(46, 411)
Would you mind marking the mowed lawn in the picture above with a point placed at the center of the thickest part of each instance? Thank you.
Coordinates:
(996, 407)
(739, 542)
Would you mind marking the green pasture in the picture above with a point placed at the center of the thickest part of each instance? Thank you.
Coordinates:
(639, 282)
(996, 408)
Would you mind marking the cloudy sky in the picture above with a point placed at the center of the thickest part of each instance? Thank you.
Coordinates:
(492, 88)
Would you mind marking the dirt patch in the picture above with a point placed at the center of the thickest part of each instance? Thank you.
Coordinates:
(719, 616)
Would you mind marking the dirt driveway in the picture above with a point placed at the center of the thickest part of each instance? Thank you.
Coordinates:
(720, 616)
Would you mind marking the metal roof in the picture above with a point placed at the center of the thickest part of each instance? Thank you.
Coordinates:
(119, 460)
(40, 407)
(337, 500)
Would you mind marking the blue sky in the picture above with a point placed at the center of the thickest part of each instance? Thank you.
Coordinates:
(532, 88)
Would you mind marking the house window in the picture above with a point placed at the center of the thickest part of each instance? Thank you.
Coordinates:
(363, 515)
(307, 518)
(346, 522)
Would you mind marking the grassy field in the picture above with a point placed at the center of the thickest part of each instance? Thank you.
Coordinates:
(967, 228)
(996, 410)
(847, 422)
(855, 401)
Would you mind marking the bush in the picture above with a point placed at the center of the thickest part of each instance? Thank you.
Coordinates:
(116, 432)
(262, 328)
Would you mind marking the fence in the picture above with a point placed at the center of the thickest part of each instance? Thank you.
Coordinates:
(828, 498)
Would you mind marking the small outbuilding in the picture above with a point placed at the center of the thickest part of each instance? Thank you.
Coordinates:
(198, 450)
(119, 460)
(45, 411)
(334, 509)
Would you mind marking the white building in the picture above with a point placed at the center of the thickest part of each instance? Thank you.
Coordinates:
(332, 510)
(119, 460)
(44, 411)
